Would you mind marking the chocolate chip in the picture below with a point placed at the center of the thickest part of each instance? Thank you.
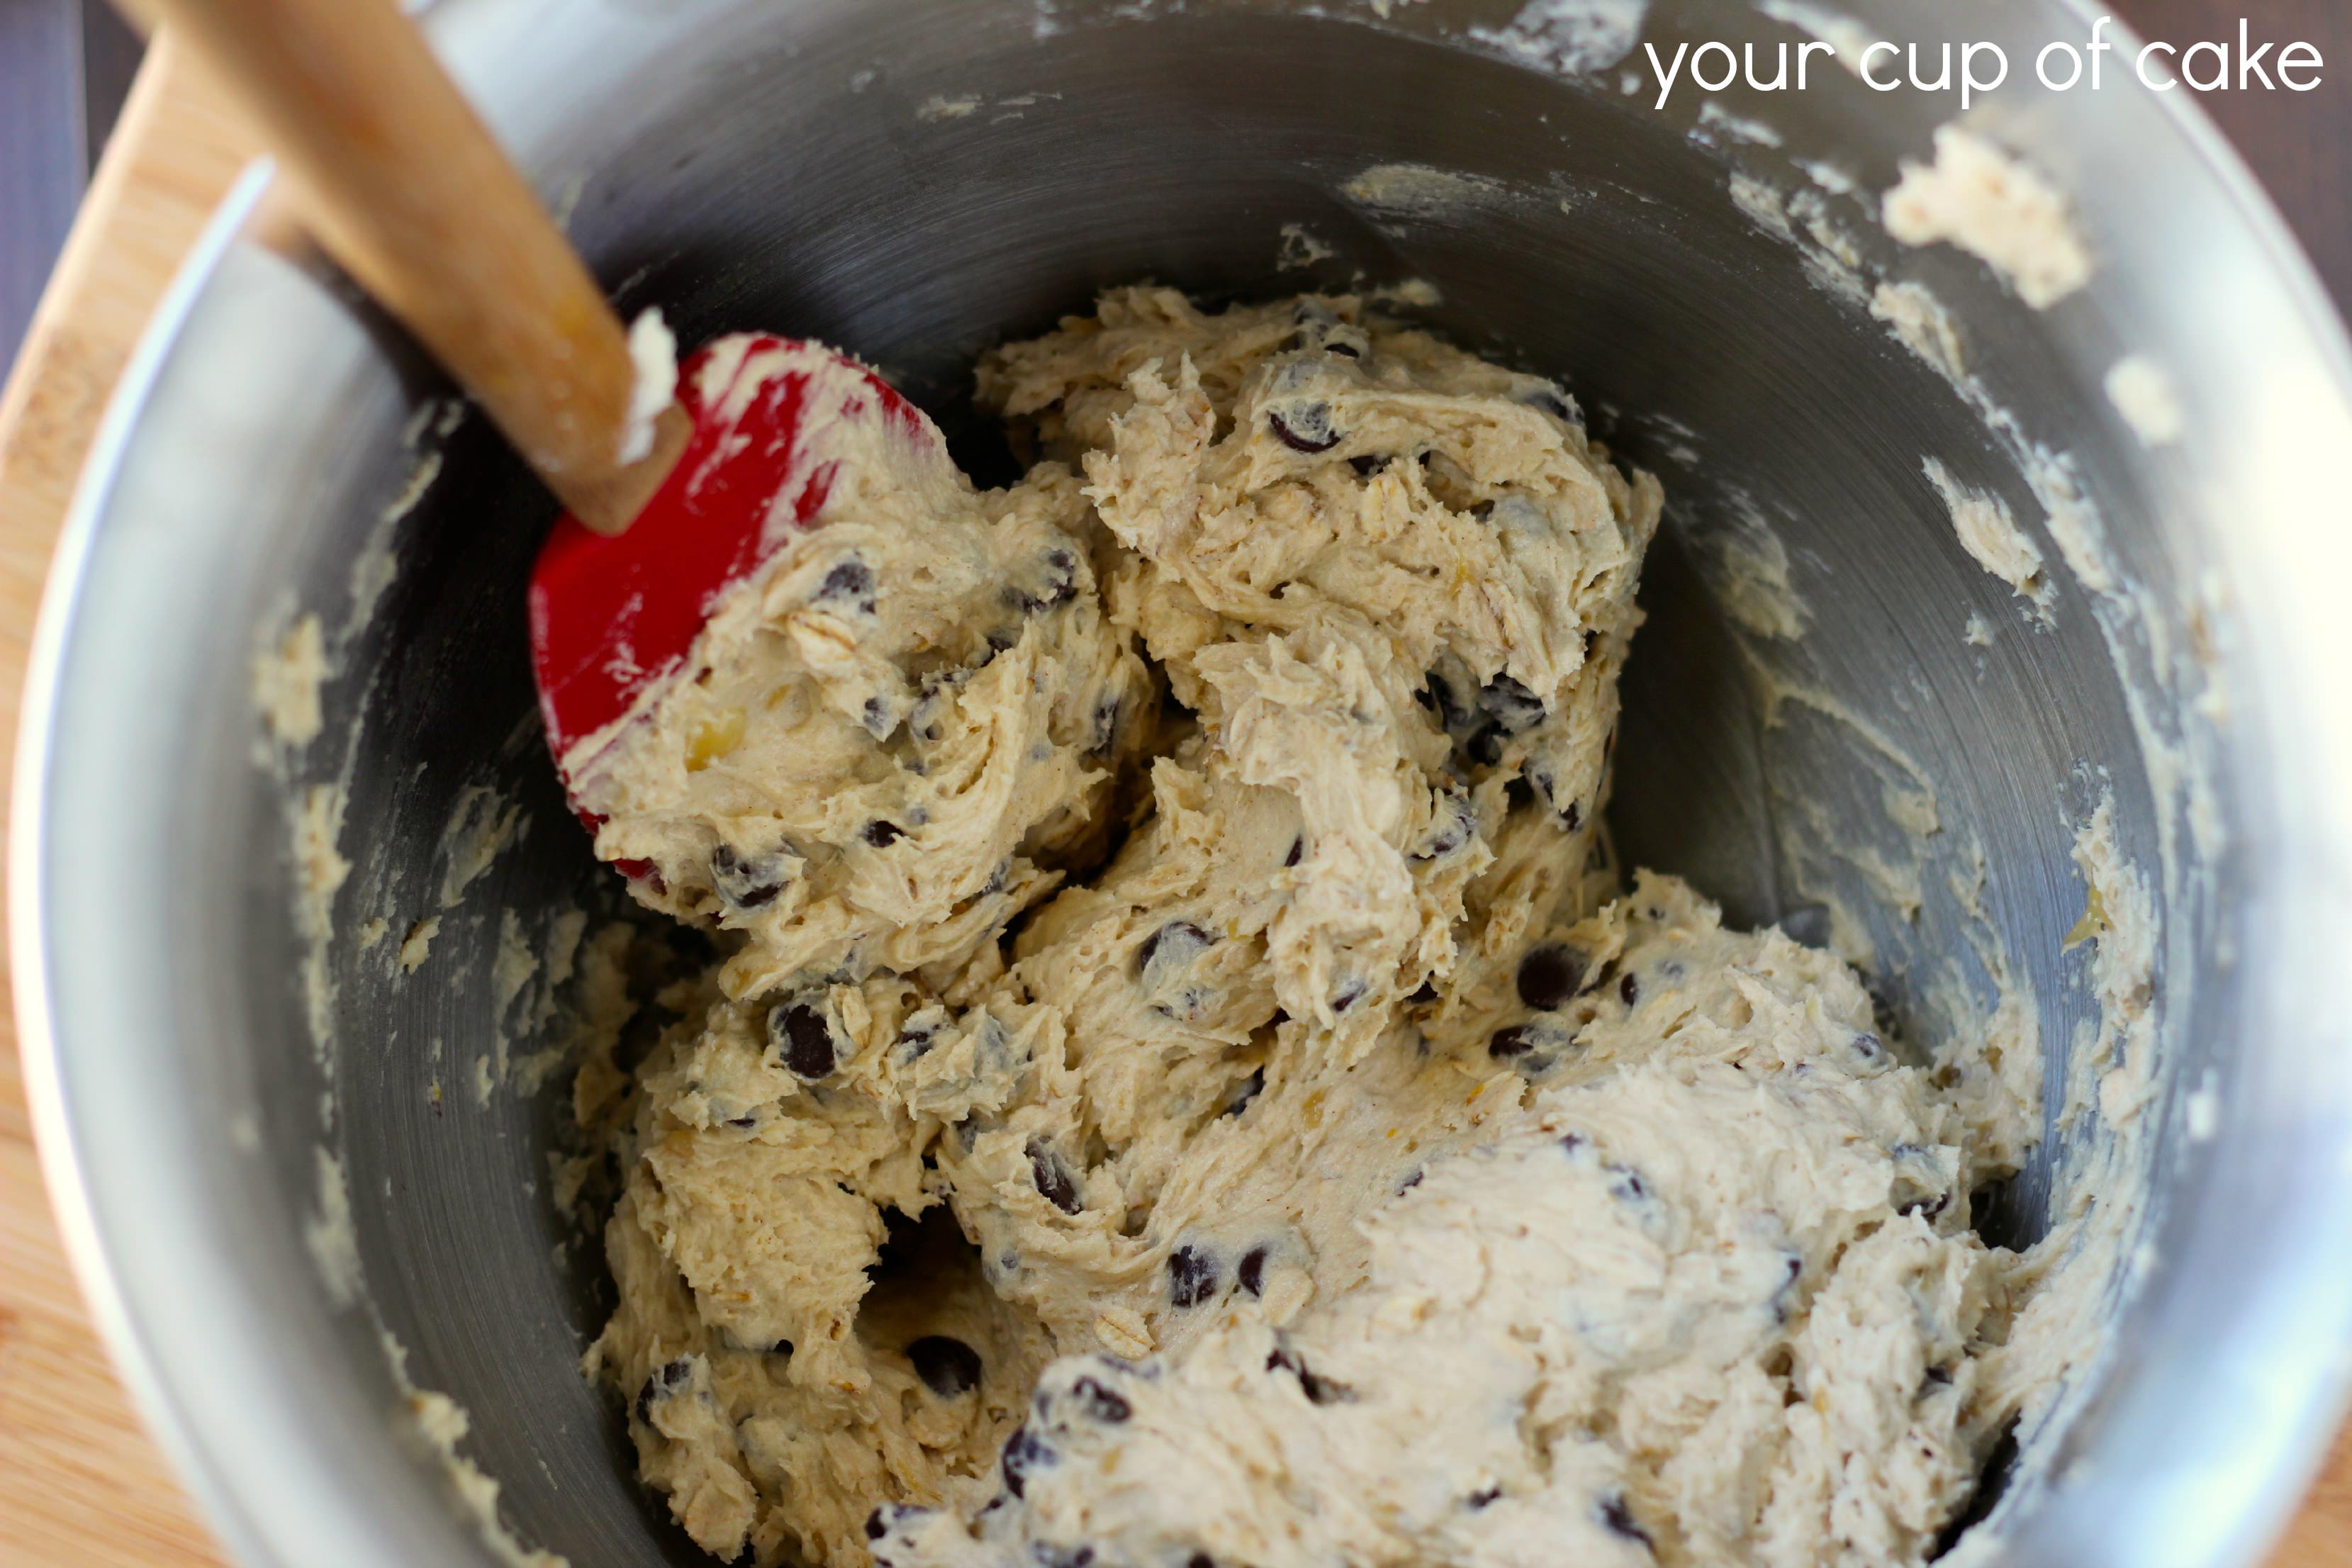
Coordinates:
(1628, 1184)
(1199, 1560)
(1485, 745)
(1573, 815)
(1252, 1087)
(1348, 351)
(881, 833)
(1573, 1142)
(947, 1367)
(747, 882)
(1057, 584)
(1455, 829)
(1870, 1048)
(1792, 1268)
(1926, 1208)
(1482, 1497)
(667, 1379)
(850, 579)
(1349, 993)
(1176, 942)
(1192, 1276)
(1554, 402)
(875, 1528)
(1629, 990)
(1053, 1181)
(1307, 429)
(1807, 923)
(1517, 1040)
(797, 1031)
(1026, 1453)
(1410, 1181)
(1251, 1275)
(1105, 1404)
(1105, 726)
(1511, 704)
(1369, 463)
(1437, 694)
(1618, 1515)
(1060, 575)
(1297, 850)
(1548, 976)
(1318, 1390)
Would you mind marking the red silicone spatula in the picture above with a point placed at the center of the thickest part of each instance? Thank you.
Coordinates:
(405, 188)
(612, 615)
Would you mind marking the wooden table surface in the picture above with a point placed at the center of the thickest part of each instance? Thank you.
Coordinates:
(80, 1482)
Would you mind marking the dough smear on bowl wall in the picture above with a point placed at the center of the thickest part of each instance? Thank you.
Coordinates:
(1185, 1080)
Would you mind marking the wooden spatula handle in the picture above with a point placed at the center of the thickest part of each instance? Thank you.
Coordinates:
(409, 193)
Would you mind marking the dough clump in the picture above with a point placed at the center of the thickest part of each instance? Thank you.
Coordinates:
(1185, 1084)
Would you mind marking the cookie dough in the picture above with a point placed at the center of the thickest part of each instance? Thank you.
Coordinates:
(1186, 1084)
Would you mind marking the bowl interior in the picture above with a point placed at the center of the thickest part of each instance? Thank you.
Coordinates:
(913, 183)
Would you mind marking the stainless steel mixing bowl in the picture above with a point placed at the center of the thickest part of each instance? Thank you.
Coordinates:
(915, 181)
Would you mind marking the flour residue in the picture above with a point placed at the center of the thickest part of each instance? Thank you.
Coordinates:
(1417, 191)
(441, 1423)
(1300, 249)
(2201, 1113)
(1763, 204)
(1746, 565)
(418, 944)
(1571, 36)
(286, 674)
(481, 824)
(1923, 325)
(319, 872)
(333, 1243)
(376, 567)
(419, 480)
(1988, 531)
(2143, 394)
(1997, 209)
(1713, 116)
(2075, 526)
(1801, 219)
(1407, 293)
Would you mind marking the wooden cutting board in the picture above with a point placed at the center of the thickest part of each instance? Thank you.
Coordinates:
(80, 1481)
